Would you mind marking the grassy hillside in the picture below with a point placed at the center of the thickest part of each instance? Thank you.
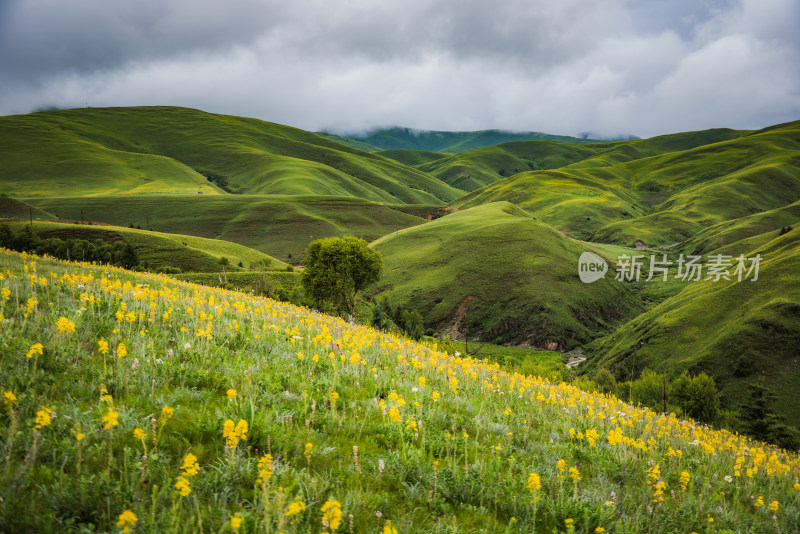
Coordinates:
(13, 208)
(574, 201)
(496, 273)
(625, 194)
(482, 166)
(739, 236)
(281, 226)
(157, 250)
(621, 152)
(410, 157)
(440, 141)
(734, 331)
(280, 285)
(228, 413)
(712, 184)
(175, 150)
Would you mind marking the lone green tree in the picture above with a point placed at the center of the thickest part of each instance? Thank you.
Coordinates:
(336, 269)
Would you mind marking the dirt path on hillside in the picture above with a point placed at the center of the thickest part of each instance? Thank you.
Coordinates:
(453, 330)
(576, 358)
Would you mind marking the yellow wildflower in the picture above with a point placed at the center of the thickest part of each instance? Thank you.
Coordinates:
(295, 508)
(183, 486)
(65, 326)
(36, 348)
(138, 433)
(110, 419)
(774, 505)
(190, 466)
(231, 393)
(264, 468)
(684, 480)
(394, 414)
(332, 514)
(388, 528)
(592, 436)
(102, 346)
(241, 429)
(122, 350)
(574, 474)
(43, 417)
(126, 520)
(9, 398)
(534, 482)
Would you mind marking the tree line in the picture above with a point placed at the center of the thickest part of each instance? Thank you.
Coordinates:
(117, 253)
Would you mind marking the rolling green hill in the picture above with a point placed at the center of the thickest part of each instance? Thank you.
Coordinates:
(278, 225)
(571, 200)
(442, 141)
(411, 157)
(734, 331)
(84, 152)
(496, 273)
(482, 166)
(503, 268)
(624, 193)
(476, 168)
(157, 250)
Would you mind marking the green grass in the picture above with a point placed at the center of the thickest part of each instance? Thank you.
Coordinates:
(100, 151)
(572, 201)
(496, 273)
(741, 235)
(281, 226)
(261, 283)
(158, 250)
(453, 455)
(662, 190)
(13, 208)
(734, 331)
(482, 166)
(410, 157)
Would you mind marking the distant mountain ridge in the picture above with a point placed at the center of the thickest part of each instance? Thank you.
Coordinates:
(399, 137)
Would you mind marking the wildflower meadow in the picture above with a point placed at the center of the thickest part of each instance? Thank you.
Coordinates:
(139, 404)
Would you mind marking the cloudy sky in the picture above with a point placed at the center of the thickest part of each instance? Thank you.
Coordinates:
(643, 67)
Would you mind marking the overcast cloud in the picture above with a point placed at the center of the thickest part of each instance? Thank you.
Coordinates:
(557, 66)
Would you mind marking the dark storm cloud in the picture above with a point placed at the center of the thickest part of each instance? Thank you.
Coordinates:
(643, 67)
(43, 38)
